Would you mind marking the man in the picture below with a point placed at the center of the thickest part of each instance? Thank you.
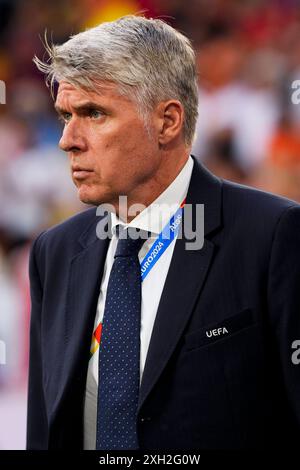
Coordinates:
(192, 348)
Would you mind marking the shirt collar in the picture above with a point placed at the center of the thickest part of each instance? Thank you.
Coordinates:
(154, 217)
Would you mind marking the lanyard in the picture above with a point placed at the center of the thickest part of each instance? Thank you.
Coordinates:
(162, 242)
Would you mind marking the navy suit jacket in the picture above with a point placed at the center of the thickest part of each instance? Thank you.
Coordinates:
(203, 386)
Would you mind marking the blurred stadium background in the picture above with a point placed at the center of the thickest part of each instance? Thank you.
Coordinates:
(248, 54)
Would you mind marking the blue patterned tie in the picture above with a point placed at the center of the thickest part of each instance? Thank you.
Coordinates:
(119, 351)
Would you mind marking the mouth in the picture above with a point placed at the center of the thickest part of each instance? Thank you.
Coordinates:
(80, 172)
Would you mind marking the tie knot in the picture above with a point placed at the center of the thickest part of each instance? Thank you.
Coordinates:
(130, 241)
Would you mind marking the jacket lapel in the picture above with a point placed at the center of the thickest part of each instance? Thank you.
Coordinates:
(85, 275)
(185, 280)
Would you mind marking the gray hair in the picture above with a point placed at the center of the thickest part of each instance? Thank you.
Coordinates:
(148, 59)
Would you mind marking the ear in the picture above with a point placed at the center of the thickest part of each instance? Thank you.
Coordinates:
(170, 121)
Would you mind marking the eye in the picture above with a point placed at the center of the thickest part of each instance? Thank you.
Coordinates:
(65, 117)
(95, 113)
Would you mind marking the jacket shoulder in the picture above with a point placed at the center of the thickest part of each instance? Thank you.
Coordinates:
(64, 236)
(254, 203)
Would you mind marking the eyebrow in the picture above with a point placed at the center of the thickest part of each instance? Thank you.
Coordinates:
(81, 108)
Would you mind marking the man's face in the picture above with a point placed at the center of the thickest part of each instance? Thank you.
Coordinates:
(110, 150)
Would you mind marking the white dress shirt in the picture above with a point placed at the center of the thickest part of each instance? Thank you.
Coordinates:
(153, 218)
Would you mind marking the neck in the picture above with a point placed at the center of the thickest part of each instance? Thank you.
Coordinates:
(143, 196)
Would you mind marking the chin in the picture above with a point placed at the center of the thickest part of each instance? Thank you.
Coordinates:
(94, 198)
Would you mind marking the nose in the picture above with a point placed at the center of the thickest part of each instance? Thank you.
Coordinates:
(72, 139)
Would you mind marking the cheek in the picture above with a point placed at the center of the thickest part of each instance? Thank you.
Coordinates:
(122, 151)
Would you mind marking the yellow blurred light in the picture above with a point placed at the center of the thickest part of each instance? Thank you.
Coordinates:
(113, 10)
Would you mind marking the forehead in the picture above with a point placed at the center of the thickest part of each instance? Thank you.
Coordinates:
(71, 93)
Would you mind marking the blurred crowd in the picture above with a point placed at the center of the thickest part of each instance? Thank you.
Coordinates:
(248, 56)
